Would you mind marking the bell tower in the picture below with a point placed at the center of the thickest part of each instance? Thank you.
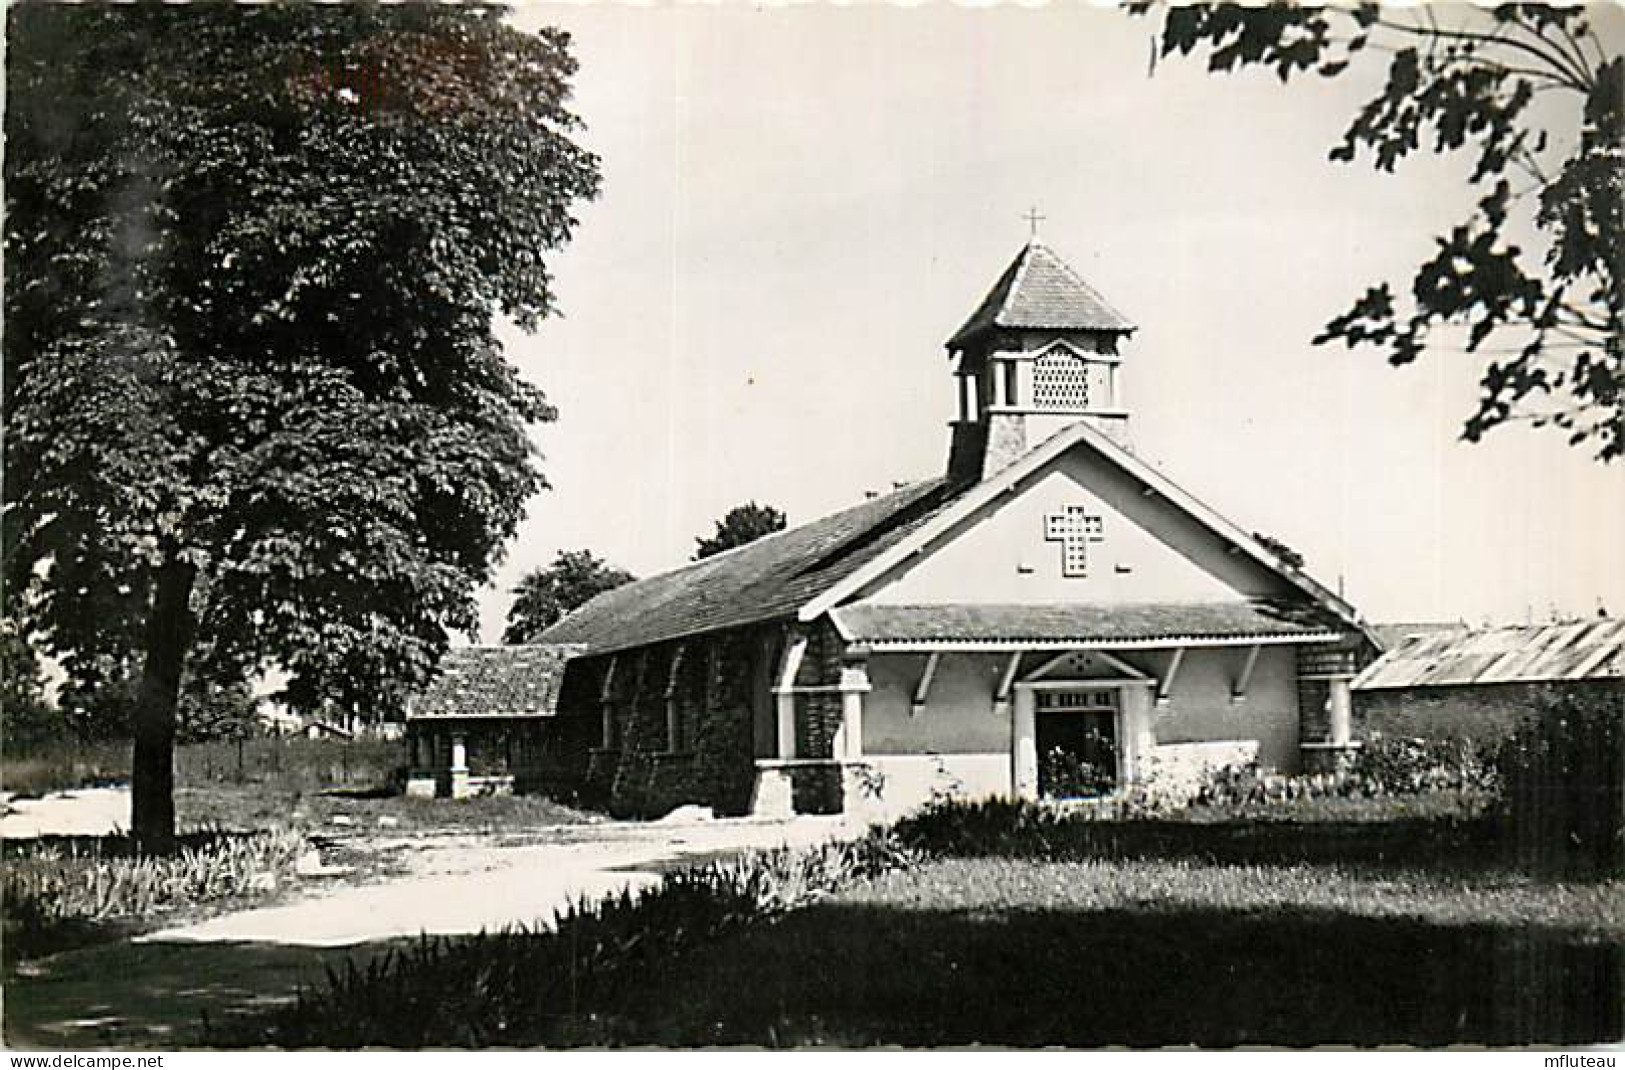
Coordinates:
(1039, 354)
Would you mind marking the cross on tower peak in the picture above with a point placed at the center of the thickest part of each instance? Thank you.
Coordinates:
(1033, 219)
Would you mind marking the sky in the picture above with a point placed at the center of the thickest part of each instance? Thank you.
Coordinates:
(801, 204)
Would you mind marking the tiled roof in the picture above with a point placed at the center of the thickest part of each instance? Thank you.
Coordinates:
(496, 681)
(882, 625)
(1578, 650)
(771, 577)
(1040, 290)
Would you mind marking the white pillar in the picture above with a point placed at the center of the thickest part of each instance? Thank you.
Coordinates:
(1139, 732)
(459, 754)
(787, 724)
(1340, 706)
(1024, 746)
(854, 684)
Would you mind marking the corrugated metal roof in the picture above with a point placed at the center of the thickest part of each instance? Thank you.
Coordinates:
(1390, 634)
(1040, 290)
(771, 577)
(1574, 650)
(1074, 622)
(496, 681)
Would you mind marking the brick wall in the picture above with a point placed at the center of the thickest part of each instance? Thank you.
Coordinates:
(715, 763)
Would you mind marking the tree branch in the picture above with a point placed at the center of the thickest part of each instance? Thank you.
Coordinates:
(1568, 78)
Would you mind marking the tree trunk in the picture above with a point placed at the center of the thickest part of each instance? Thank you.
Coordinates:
(169, 637)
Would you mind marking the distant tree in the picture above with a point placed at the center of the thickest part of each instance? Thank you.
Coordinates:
(205, 709)
(1530, 91)
(742, 524)
(27, 716)
(254, 396)
(545, 595)
(1280, 549)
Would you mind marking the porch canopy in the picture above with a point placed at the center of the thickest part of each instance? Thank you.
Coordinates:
(1069, 625)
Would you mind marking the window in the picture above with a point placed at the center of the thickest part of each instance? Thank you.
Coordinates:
(1061, 701)
(1010, 382)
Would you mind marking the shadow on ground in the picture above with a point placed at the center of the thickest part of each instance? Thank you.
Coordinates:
(155, 995)
(863, 975)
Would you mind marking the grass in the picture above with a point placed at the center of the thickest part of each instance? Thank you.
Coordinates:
(282, 765)
(61, 768)
(1586, 911)
(340, 812)
(1034, 954)
(1061, 931)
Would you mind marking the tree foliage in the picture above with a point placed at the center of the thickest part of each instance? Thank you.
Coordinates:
(740, 525)
(256, 408)
(28, 714)
(545, 595)
(1530, 94)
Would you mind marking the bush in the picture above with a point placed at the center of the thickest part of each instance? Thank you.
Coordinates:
(1404, 833)
(1066, 775)
(70, 884)
(1397, 765)
(1385, 766)
(982, 827)
(533, 987)
(1562, 806)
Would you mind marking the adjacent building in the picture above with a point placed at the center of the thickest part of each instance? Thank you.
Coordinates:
(1477, 684)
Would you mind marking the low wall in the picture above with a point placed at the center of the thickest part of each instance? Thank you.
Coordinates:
(886, 786)
(1178, 769)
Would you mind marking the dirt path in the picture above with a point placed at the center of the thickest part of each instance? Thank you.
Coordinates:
(154, 992)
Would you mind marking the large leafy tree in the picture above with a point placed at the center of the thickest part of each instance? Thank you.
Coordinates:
(256, 409)
(544, 595)
(1536, 100)
(740, 525)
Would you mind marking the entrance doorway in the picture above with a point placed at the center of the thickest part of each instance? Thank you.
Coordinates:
(1077, 742)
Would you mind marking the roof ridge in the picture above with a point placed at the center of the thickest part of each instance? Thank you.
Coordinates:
(1024, 261)
(906, 515)
(505, 646)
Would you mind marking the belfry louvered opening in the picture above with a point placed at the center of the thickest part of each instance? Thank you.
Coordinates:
(1060, 381)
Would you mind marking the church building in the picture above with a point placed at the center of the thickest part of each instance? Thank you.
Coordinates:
(1050, 616)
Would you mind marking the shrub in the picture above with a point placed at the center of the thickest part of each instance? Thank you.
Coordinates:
(528, 987)
(976, 827)
(1397, 765)
(1385, 766)
(1404, 833)
(1562, 807)
(1066, 775)
(57, 885)
(105, 877)
(1247, 785)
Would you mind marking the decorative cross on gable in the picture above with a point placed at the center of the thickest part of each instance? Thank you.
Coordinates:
(1074, 529)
